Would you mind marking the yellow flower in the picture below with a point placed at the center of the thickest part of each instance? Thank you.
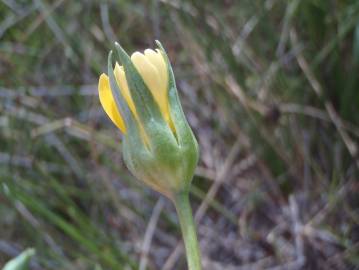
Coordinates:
(153, 69)
(141, 98)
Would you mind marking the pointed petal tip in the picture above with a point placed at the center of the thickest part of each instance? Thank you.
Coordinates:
(103, 75)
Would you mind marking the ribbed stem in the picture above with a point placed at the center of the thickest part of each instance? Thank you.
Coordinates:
(188, 228)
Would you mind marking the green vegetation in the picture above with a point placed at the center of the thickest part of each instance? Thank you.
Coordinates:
(271, 90)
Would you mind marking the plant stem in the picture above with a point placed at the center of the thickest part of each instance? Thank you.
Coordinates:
(188, 228)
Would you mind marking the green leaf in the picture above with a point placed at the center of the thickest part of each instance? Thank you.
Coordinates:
(21, 262)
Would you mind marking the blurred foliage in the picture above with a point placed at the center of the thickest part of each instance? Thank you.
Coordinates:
(20, 262)
(271, 90)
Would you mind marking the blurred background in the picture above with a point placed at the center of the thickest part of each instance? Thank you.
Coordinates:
(271, 90)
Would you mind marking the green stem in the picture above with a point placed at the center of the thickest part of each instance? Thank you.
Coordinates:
(188, 228)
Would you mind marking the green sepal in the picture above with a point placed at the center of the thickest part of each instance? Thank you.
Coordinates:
(186, 139)
(160, 165)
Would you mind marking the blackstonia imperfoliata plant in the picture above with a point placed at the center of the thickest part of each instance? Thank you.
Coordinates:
(158, 146)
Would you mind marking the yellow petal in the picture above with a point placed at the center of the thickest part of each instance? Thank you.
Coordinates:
(108, 103)
(148, 72)
(156, 59)
(122, 83)
(151, 77)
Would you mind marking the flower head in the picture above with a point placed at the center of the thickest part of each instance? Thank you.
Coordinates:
(141, 98)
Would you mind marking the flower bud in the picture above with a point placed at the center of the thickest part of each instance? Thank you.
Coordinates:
(141, 98)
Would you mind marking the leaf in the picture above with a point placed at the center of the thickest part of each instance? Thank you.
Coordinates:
(20, 262)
